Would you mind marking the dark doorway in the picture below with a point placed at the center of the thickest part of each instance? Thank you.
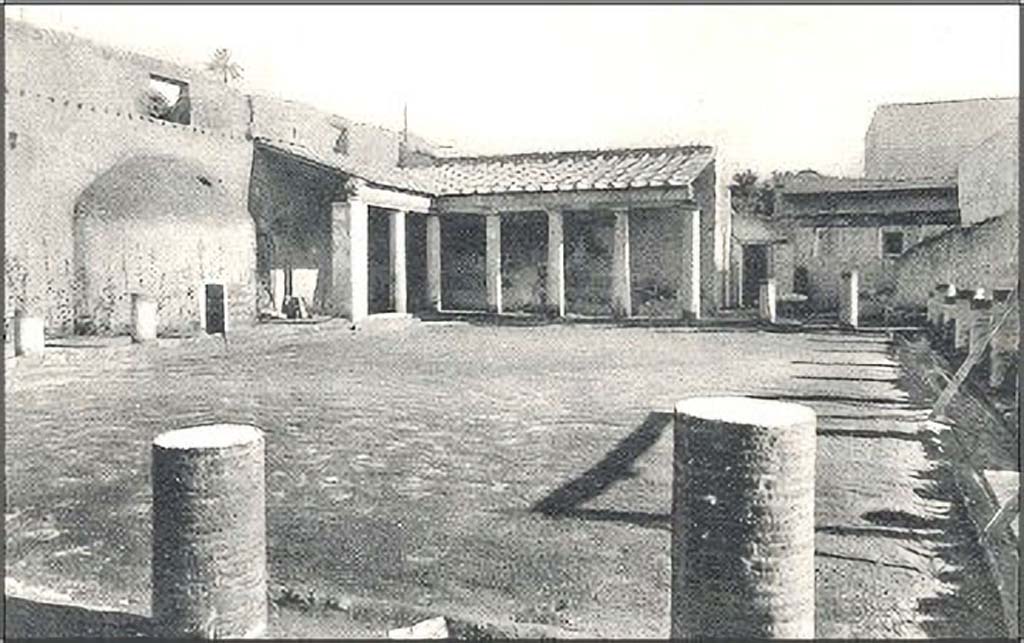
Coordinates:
(214, 308)
(755, 270)
(379, 248)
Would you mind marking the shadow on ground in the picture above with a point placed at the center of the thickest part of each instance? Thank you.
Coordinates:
(565, 501)
(33, 619)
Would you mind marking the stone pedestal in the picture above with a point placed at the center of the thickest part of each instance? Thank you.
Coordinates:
(209, 560)
(144, 318)
(743, 519)
(29, 336)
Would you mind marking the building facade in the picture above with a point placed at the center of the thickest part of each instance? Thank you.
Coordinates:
(127, 174)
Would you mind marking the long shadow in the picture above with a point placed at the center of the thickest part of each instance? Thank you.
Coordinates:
(33, 619)
(846, 399)
(873, 532)
(887, 417)
(829, 378)
(616, 465)
(869, 434)
(856, 364)
(871, 351)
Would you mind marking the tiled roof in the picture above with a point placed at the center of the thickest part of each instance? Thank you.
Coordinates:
(569, 171)
(383, 174)
(825, 184)
(531, 172)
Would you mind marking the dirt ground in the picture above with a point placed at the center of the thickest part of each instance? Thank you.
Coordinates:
(517, 474)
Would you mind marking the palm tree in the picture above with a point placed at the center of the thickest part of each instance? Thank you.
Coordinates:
(222, 65)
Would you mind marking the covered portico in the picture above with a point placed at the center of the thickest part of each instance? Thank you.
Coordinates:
(570, 218)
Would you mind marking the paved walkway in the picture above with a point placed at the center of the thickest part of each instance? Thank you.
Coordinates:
(503, 474)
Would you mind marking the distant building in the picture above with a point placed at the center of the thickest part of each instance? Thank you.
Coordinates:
(934, 172)
(126, 173)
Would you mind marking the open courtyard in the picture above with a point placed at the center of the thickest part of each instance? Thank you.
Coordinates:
(508, 474)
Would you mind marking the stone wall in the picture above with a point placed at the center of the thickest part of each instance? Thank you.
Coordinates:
(524, 243)
(588, 262)
(73, 111)
(983, 255)
(989, 177)
(463, 267)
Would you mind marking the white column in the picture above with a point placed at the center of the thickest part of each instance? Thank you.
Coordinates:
(689, 288)
(555, 285)
(350, 274)
(434, 260)
(397, 257)
(622, 300)
(766, 301)
(494, 263)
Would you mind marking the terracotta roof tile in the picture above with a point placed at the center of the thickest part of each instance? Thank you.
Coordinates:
(530, 172)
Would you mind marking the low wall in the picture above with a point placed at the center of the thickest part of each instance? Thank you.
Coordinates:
(983, 255)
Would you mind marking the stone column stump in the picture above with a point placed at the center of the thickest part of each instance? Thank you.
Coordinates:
(209, 533)
(962, 319)
(766, 301)
(849, 300)
(144, 318)
(29, 338)
(743, 519)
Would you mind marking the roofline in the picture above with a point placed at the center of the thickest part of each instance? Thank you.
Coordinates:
(943, 102)
(584, 152)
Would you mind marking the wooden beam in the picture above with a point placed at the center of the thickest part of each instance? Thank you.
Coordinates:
(565, 200)
(391, 199)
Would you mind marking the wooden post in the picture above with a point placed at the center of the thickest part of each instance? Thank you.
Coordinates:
(29, 336)
(743, 519)
(143, 318)
(209, 533)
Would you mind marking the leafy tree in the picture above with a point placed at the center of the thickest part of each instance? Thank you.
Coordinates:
(222, 65)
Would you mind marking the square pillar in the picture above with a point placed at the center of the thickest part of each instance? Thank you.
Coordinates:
(494, 263)
(962, 319)
(849, 306)
(554, 286)
(622, 297)
(349, 259)
(396, 246)
(434, 261)
(689, 287)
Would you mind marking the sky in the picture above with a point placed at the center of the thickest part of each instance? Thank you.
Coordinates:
(772, 87)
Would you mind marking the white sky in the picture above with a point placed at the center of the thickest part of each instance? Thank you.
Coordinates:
(783, 87)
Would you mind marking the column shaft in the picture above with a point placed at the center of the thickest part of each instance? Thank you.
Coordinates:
(494, 263)
(434, 261)
(397, 257)
(689, 288)
(555, 284)
(622, 299)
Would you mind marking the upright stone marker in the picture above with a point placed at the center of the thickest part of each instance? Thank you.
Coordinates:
(981, 323)
(948, 318)
(29, 337)
(962, 319)
(766, 301)
(935, 305)
(143, 318)
(849, 303)
(209, 533)
(743, 519)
